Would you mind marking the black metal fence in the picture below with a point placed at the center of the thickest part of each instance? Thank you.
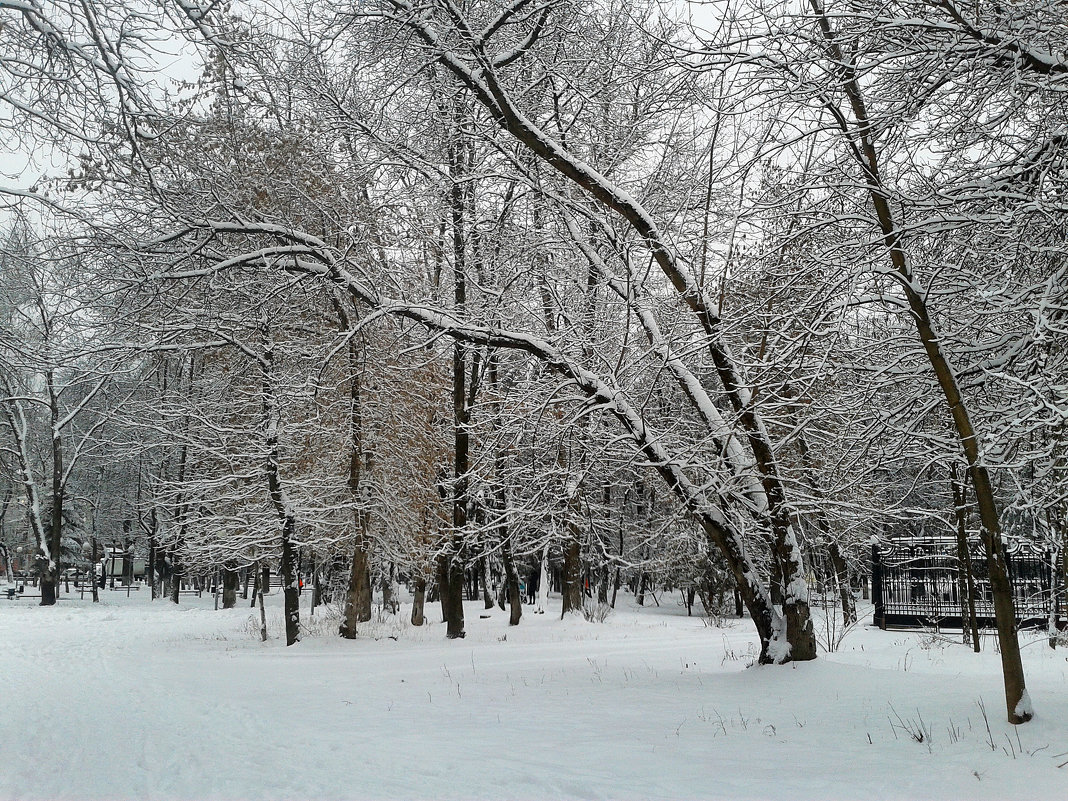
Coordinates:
(924, 581)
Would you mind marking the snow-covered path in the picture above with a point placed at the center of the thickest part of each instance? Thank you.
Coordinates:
(136, 700)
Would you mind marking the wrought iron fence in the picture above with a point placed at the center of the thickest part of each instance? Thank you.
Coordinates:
(923, 581)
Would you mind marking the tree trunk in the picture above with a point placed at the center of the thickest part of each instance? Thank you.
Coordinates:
(52, 569)
(358, 596)
(830, 545)
(389, 603)
(511, 583)
(487, 595)
(418, 602)
(277, 492)
(841, 580)
(572, 584)
(263, 615)
(451, 589)
(152, 578)
(1017, 701)
(798, 625)
(543, 582)
(231, 580)
(254, 580)
(290, 582)
(603, 581)
(177, 571)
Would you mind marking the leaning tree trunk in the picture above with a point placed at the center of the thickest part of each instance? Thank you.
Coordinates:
(1017, 701)
(491, 92)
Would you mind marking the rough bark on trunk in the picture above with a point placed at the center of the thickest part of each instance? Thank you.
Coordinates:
(572, 584)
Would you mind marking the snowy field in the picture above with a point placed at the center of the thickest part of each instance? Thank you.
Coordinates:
(128, 699)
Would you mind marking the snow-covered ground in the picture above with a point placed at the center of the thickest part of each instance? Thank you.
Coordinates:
(131, 699)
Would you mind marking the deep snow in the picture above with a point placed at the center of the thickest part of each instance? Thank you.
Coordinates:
(131, 699)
